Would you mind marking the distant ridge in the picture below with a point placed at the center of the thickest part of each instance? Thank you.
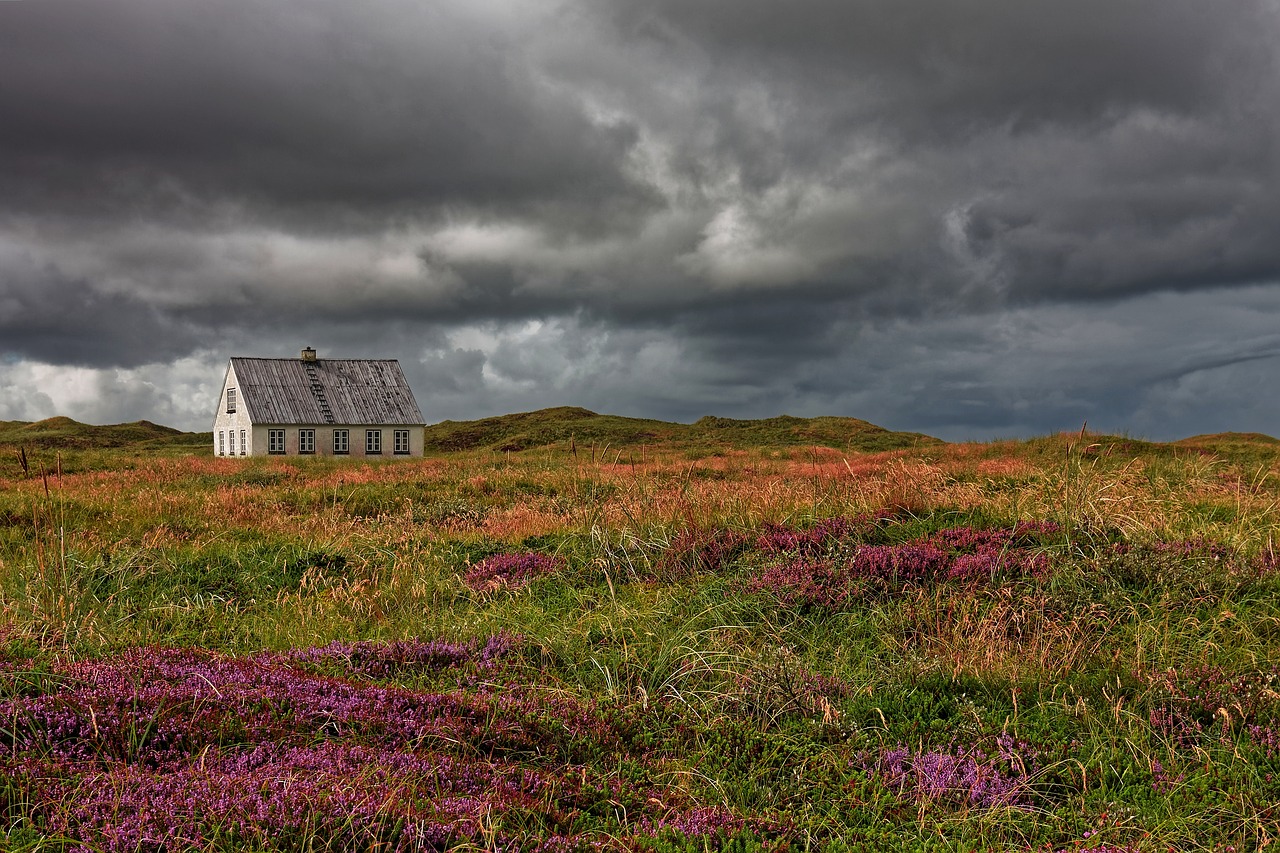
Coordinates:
(1230, 438)
(561, 425)
(567, 423)
(63, 432)
(1251, 448)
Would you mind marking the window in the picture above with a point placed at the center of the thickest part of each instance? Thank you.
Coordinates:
(244, 447)
(275, 441)
(233, 442)
(231, 401)
(222, 443)
(402, 441)
(341, 441)
(373, 442)
(306, 441)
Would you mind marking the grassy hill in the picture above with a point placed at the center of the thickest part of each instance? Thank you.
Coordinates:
(584, 428)
(522, 431)
(1250, 449)
(565, 424)
(1230, 439)
(64, 433)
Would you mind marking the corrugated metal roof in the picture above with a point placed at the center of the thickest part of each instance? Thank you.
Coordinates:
(326, 390)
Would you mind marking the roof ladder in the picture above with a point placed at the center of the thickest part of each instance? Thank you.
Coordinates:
(317, 391)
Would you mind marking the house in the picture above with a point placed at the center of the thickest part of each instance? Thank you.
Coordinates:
(312, 406)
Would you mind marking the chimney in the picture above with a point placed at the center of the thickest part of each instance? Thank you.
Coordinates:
(308, 354)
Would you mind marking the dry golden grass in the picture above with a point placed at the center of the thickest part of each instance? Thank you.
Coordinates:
(1002, 632)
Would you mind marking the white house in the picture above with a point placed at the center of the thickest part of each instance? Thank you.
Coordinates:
(311, 406)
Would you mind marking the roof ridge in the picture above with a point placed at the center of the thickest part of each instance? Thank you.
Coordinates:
(286, 358)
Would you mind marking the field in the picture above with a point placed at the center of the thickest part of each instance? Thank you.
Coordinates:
(570, 632)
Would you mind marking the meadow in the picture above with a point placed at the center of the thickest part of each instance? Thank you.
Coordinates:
(733, 640)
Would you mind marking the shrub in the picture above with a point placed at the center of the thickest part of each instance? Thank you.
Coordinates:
(510, 571)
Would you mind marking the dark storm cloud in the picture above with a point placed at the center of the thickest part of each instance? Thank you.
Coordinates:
(1055, 150)
(976, 63)
(58, 320)
(312, 109)
(985, 215)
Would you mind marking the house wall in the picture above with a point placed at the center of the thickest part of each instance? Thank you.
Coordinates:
(231, 424)
(258, 436)
(324, 439)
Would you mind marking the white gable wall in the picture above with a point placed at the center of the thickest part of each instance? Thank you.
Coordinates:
(233, 432)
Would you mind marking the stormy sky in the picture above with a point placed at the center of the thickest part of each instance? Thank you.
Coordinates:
(972, 218)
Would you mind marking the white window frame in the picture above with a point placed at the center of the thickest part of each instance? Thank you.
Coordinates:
(222, 443)
(373, 442)
(231, 443)
(401, 439)
(231, 401)
(275, 442)
(341, 442)
(244, 447)
(307, 441)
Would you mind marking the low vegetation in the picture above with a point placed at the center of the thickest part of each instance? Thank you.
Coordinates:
(609, 436)
(719, 636)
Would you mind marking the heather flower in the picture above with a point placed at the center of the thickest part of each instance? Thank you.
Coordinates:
(713, 822)
(981, 554)
(968, 540)
(1161, 781)
(959, 777)
(1179, 729)
(804, 583)
(785, 687)
(813, 574)
(1266, 563)
(400, 657)
(1202, 694)
(164, 749)
(910, 562)
(1265, 738)
(823, 536)
(510, 571)
(695, 550)
(1195, 547)
(836, 583)
(701, 823)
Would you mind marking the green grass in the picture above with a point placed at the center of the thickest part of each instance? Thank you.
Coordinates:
(1136, 674)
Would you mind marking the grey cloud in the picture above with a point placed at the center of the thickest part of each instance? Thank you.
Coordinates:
(973, 64)
(50, 317)
(22, 401)
(321, 114)
(990, 215)
(454, 373)
(1099, 149)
